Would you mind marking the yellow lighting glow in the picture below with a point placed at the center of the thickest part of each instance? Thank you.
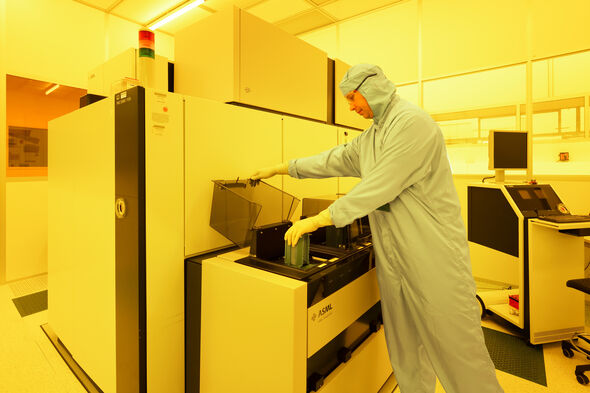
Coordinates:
(176, 14)
(51, 89)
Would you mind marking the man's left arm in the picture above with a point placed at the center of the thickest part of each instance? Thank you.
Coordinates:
(341, 160)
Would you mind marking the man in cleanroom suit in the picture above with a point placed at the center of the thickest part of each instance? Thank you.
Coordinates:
(430, 313)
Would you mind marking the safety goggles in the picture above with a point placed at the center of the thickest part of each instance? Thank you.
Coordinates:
(363, 81)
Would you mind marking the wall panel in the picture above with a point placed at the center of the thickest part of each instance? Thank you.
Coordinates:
(246, 140)
(463, 35)
(75, 39)
(546, 159)
(2, 140)
(26, 229)
(466, 159)
(72, 40)
(409, 92)
(559, 26)
(302, 139)
(388, 38)
(325, 39)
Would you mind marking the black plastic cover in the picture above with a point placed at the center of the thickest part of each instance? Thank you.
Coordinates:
(268, 241)
(534, 199)
(238, 206)
(491, 221)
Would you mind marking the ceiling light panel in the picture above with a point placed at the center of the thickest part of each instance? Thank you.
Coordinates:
(145, 11)
(185, 20)
(176, 13)
(305, 22)
(344, 9)
(51, 89)
(276, 10)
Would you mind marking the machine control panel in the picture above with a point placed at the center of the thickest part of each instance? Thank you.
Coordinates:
(536, 200)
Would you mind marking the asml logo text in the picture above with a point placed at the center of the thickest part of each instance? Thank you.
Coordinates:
(325, 310)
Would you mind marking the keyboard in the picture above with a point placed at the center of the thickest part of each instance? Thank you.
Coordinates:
(565, 218)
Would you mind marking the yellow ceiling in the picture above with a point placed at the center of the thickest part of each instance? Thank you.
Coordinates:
(295, 16)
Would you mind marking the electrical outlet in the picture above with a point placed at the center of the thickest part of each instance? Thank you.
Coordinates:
(565, 156)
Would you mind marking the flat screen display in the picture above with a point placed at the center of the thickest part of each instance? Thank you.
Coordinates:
(510, 150)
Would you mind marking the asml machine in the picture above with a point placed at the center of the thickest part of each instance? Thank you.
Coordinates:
(269, 324)
(130, 197)
(524, 236)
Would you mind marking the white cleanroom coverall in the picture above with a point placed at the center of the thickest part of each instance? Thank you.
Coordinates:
(431, 316)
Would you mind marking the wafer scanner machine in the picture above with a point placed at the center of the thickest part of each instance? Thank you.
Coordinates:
(257, 322)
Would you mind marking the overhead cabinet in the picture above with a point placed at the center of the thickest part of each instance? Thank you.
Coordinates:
(232, 56)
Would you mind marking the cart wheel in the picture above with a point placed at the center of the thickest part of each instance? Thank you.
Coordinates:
(568, 353)
(482, 307)
(583, 379)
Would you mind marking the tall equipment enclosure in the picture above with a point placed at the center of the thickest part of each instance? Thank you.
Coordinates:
(251, 62)
(81, 238)
(116, 228)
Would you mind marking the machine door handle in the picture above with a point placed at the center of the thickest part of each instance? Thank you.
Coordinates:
(315, 382)
(374, 326)
(344, 355)
(120, 208)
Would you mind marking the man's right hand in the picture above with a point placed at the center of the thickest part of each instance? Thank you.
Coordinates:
(270, 171)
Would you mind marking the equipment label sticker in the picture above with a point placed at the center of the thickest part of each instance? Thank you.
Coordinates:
(322, 314)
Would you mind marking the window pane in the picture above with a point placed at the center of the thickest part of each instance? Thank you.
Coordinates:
(503, 86)
(27, 147)
(459, 129)
(568, 120)
(497, 123)
(545, 123)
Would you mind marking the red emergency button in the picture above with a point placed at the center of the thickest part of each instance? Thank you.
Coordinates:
(165, 109)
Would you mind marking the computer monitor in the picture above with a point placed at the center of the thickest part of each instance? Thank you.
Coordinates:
(507, 150)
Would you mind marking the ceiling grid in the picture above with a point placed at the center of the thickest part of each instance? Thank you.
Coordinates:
(294, 16)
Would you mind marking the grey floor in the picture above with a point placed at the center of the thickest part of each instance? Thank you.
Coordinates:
(30, 364)
(28, 361)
